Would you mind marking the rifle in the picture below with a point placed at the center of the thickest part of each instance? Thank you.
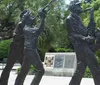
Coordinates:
(45, 8)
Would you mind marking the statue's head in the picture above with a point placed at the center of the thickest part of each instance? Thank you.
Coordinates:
(27, 17)
(27, 14)
(75, 7)
(23, 12)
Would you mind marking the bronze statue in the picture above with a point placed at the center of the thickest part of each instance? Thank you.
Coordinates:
(16, 51)
(83, 43)
(31, 54)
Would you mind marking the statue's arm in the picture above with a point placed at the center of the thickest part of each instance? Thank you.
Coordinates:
(77, 36)
(41, 27)
(42, 21)
(17, 29)
(18, 34)
(71, 28)
(73, 35)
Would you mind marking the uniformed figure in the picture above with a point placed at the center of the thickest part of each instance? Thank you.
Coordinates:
(79, 36)
(16, 51)
(32, 57)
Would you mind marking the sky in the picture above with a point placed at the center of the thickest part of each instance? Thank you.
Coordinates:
(67, 1)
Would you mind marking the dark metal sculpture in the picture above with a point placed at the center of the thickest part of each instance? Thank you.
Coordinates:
(92, 25)
(31, 34)
(83, 42)
(31, 54)
(16, 51)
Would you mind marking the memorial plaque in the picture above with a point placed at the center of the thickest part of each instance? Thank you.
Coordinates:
(59, 60)
(69, 61)
(60, 64)
(49, 60)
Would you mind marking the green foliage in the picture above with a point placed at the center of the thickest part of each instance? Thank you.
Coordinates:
(98, 55)
(96, 5)
(42, 53)
(63, 50)
(18, 70)
(10, 9)
(55, 33)
(4, 48)
(31, 71)
(87, 73)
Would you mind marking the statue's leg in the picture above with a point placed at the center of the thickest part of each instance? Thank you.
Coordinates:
(79, 73)
(21, 58)
(31, 57)
(12, 57)
(94, 47)
(6, 71)
(93, 65)
(21, 54)
(38, 75)
(23, 72)
(39, 67)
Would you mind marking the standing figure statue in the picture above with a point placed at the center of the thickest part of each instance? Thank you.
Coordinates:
(31, 34)
(16, 51)
(84, 46)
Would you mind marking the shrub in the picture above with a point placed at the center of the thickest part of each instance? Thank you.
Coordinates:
(98, 55)
(63, 50)
(4, 48)
(87, 73)
(42, 53)
(31, 71)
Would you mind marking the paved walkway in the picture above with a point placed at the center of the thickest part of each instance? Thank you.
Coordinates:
(49, 80)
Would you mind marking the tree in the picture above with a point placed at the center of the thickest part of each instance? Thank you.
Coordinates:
(9, 11)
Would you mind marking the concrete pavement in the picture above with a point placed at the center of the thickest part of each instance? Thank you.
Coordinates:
(48, 80)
